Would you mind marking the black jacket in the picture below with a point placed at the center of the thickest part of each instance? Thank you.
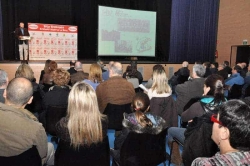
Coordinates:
(18, 33)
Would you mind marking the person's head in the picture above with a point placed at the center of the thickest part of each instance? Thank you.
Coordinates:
(185, 64)
(234, 128)
(198, 62)
(236, 69)
(3, 79)
(140, 104)
(19, 92)
(243, 65)
(160, 82)
(46, 66)
(213, 86)
(21, 25)
(61, 77)
(207, 64)
(72, 63)
(100, 63)
(158, 66)
(115, 69)
(198, 70)
(84, 116)
(226, 63)
(78, 66)
(52, 67)
(95, 73)
(214, 65)
(110, 64)
(24, 70)
(221, 67)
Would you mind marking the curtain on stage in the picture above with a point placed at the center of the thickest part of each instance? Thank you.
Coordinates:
(1, 34)
(193, 30)
(84, 14)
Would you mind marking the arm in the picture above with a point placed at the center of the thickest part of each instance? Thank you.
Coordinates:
(195, 110)
(41, 143)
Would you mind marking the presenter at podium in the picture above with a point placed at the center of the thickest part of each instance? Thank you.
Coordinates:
(23, 36)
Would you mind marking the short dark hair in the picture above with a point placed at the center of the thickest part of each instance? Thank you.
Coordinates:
(19, 91)
(238, 68)
(226, 63)
(235, 115)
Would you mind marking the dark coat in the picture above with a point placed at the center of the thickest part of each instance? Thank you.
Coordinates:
(18, 33)
(78, 76)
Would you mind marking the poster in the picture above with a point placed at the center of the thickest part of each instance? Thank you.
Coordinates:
(51, 41)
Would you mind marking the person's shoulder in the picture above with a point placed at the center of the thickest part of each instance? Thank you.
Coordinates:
(201, 161)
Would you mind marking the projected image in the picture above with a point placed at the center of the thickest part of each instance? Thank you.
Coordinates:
(126, 32)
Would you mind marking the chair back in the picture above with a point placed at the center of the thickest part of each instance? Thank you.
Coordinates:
(93, 155)
(141, 149)
(115, 114)
(235, 92)
(53, 115)
(181, 79)
(134, 81)
(29, 157)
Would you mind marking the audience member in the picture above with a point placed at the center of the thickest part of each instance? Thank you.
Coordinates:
(72, 68)
(83, 127)
(208, 71)
(150, 81)
(132, 72)
(213, 95)
(231, 133)
(95, 76)
(190, 89)
(139, 121)
(243, 66)
(214, 67)
(101, 64)
(222, 72)
(105, 75)
(116, 90)
(46, 68)
(47, 80)
(180, 76)
(79, 75)
(235, 78)
(21, 128)
(227, 67)
(3, 84)
(25, 71)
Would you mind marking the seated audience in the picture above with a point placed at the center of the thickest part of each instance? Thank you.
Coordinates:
(180, 76)
(133, 72)
(25, 71)
(47, 80)
(72, 68)
(208, 71)
(231, 133)
(227, 67)
(213, 95)
(214, 67)
(191, 88)
(140, 122)
(57, 94)
(3, 84)
(243, 66)
(46, 68)
(95, 76)
(83, 127)
(150, 81)
(161, 101)
(79, 75)
(20, 128)
(222, 72)
(116, 90)
(105, 74)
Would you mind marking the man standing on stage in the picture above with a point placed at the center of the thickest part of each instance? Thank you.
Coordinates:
(22, 43)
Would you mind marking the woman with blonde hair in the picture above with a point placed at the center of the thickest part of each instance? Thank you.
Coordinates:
(95, 75)
(24, 70)
(84, 127)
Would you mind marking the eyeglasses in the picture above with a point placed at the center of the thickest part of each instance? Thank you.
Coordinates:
(214, 119)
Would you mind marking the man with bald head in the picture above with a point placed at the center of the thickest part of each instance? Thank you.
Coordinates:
(20, 128)
(116, 90)
(79, 75)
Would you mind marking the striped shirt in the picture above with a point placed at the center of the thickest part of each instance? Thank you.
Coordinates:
(240, 158)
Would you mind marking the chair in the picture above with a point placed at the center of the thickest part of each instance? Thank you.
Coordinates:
(172, 143)
(93, 155)
(52, 116)
(115, 114)
(235, 92)
(29, 157)
(144, 149)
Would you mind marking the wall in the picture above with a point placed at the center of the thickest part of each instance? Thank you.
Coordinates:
(233, 26)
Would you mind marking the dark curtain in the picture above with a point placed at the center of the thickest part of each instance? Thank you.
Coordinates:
(193, 30)
(84, 14)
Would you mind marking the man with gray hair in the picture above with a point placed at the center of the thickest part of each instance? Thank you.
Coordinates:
(190, 89)
(116, 90)
(79, 75)
(3, 84)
